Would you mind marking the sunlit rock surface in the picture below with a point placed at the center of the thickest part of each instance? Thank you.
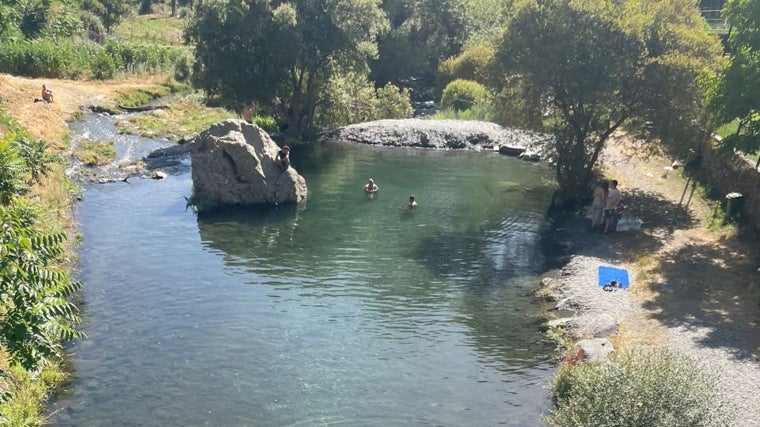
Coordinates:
(233, 162)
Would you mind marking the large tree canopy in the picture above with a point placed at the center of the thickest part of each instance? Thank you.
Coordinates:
(735, 95)
(591, 65)
(256, 50)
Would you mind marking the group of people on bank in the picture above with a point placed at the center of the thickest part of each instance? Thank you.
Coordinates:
(605, 205)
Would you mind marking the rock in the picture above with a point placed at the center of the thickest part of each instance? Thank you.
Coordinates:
(595, 350)
(548, 282)
(566, 304)
(158, 174)
(511, 151)
(600, 326)
(234, 164)
(441, 134)
(560, 323)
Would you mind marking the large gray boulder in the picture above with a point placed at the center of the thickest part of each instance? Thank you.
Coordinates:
(234, 164)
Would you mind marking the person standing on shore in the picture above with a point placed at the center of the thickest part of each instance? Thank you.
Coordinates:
(613, 199)
(597, 206)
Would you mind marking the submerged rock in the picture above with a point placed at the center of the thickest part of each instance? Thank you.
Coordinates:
(442, 134)
(234, 164)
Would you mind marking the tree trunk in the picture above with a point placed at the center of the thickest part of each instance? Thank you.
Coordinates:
(573, 172)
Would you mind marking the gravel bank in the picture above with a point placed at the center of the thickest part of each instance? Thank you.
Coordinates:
(695, 292)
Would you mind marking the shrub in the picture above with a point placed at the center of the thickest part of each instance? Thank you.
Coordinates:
(469, 65)
(268, 123)
(103, 66)
(351, 98)
(35, 315)
(654, 388)
(393, 103)
(462, 94)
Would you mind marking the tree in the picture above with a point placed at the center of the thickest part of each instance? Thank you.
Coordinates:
(589, 66)
(422, 34)
(734, 95)
(110, 12)
(261, 50)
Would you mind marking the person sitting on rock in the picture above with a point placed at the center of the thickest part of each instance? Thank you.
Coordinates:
(283, 157)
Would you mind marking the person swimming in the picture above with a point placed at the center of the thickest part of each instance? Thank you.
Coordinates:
(370, 187)
(412, 203)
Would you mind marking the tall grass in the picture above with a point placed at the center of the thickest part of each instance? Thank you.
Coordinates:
(74, 60)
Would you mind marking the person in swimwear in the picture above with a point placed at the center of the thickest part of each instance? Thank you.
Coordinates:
(370, 187)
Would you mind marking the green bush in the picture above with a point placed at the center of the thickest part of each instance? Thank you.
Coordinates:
(268, 123)
(469, 65)
(103, 66)
(462, 94)
(655, 388)
(352, 98)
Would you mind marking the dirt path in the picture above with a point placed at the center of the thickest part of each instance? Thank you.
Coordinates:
(692, 289)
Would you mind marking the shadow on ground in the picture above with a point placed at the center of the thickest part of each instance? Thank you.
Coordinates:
(657, 212)
(716, 292)
(660, 218)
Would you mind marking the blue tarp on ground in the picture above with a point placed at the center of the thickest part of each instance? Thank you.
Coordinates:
(608, 274)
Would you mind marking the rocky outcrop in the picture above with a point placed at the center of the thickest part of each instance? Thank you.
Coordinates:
(233, 163)
(443, 134)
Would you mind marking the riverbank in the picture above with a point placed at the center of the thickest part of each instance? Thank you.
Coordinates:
(693, 288)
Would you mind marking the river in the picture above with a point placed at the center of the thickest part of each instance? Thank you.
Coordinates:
(348, 310)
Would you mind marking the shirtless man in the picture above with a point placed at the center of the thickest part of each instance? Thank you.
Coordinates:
(47, 94)
(613, 199)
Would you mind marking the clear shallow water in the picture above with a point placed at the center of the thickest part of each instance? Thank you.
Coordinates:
(348, 311)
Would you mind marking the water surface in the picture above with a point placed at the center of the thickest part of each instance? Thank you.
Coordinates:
(346, 311)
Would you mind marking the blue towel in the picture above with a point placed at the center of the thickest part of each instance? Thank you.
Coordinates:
(608, 274)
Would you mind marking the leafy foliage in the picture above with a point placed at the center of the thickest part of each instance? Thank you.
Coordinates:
(13, 172)
(258, 51)
(734, 94)
(67, 59)
(34, 308)
(654, 388)
(110, 12)
(351, 98)
(422, 34)
(472, 64)
(590, 66)
(463, 94)
(268, 123)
